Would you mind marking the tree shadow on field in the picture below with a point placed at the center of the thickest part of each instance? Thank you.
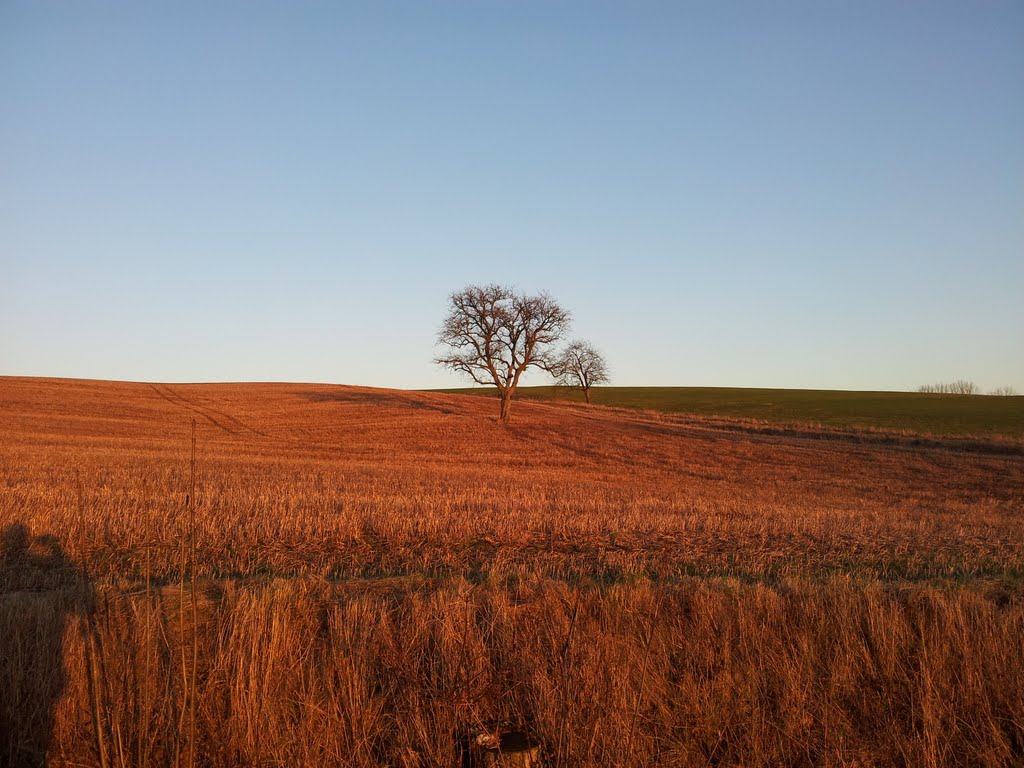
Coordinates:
(396, 400)
(40, 589)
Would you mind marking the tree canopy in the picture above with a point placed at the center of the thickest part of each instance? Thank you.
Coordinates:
(494, 334)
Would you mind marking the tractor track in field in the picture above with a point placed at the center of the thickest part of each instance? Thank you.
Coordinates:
(237, 423)
(226, 421)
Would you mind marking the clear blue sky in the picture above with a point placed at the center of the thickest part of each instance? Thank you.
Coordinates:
(819, 194)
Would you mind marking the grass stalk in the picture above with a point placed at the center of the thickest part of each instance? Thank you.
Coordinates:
(643, 674)
(195, 620)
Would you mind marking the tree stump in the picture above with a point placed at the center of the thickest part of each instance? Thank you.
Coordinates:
(511, 749)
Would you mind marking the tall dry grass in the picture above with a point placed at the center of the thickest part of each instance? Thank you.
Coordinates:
(301, 672)
(380, 573)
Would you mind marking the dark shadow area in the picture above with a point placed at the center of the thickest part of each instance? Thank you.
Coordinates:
(373, 398)
(41, 590)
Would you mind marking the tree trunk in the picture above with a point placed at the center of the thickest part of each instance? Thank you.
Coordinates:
(586, 394)
(506, 405)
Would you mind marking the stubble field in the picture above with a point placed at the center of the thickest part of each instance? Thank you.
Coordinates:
(379, 574)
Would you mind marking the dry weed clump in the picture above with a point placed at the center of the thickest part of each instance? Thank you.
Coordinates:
(380, 573)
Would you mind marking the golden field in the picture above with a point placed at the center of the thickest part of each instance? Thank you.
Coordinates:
(379, 572)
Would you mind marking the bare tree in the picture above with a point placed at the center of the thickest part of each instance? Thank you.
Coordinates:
(1004, 391)
(964, 387)
(580, 365)
(494, 334)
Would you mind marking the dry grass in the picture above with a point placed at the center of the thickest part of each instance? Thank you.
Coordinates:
(740, 597)
(300, 672)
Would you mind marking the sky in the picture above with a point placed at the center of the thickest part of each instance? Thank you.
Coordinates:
(789, 194)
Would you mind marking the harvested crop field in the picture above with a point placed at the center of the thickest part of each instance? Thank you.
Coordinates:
(377, 573)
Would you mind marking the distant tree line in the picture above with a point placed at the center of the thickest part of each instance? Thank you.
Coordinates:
(964, 387)
(958, 387)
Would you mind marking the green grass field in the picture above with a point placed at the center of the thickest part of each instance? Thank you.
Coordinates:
(925, 413)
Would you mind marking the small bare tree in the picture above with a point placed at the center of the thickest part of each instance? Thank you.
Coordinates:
(964, 387)
(494, 334)
(1004, 391)
(580, 365)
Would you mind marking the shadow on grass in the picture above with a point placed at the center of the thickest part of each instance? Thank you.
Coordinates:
(41, 589)
(385, 399)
